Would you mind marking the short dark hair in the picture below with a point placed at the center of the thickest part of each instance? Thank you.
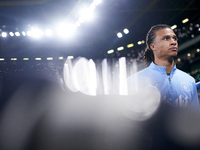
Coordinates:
(148, 54)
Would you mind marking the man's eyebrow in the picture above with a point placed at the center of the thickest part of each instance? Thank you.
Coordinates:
(166, 36)
(174, 35)
(169, 36)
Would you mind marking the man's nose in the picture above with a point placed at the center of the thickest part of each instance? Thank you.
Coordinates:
(173, 41)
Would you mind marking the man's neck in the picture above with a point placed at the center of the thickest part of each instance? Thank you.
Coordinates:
(168, 64)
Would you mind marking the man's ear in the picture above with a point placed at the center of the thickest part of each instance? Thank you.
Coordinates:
(152, 46)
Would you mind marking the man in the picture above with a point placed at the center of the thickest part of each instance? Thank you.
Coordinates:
(175, 86)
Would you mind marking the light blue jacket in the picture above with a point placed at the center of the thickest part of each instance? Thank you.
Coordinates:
(178, 88)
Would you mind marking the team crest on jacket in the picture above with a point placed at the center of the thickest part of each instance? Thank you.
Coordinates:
(185, 86)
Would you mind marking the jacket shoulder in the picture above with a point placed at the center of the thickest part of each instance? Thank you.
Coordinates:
(183, 74)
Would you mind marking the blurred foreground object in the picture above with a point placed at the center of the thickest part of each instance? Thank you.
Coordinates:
(41, 116)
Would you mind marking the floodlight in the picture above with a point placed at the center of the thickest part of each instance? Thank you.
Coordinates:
(130, 45)
(139, 42)
(37, 33)
(11, 34)
(70, 57)
(173, 27)
(13, 59)
(48, 32)
(4, 34)
(97, 2)
(29, 33)
(185, 20)
(25, 58)
(92, 6)
(66, 30)
(61, 58)
(119, 35)
(17, 33)
(126, 31)
(81, 20)
(86, 14)
(23, 33)
(49, 58)
(77, 24)
(120, 48)
(110, 51)
(38, 58)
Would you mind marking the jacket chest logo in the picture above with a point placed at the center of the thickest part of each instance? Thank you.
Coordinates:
(185, 87)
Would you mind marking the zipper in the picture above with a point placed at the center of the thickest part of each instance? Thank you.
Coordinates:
(169, 80)
(169, 77)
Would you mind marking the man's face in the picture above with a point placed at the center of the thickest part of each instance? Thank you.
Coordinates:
(165, 44)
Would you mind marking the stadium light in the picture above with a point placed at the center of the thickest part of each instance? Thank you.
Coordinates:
(25, 58)
(48, 32)
(65, 30)
(77, 23)
(4, 34)
(119, 35)
(92, 6)
(126, 31)
(61, 58)
(70, 57)
(36, 33)
(139, 42)
(29, 33)
(86, 14)
(173, 27)
(11, 34)
(110, 51)
(81, 20)
(49, 58)
(38, 58)
(14, 59)
(185, 20)
(120, 48)
(23, 33)
(130, 45)
(97, 2)
(17, 34)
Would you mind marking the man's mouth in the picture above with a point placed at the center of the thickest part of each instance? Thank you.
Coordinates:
(173, 49)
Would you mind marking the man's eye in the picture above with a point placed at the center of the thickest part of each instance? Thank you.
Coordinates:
(175, 38)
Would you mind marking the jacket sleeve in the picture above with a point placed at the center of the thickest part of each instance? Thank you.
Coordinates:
(195, 99)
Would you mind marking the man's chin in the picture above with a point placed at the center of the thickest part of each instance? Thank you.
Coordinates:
(173, 57)
(174, 54)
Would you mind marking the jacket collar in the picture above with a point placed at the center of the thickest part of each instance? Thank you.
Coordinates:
(161, 69)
